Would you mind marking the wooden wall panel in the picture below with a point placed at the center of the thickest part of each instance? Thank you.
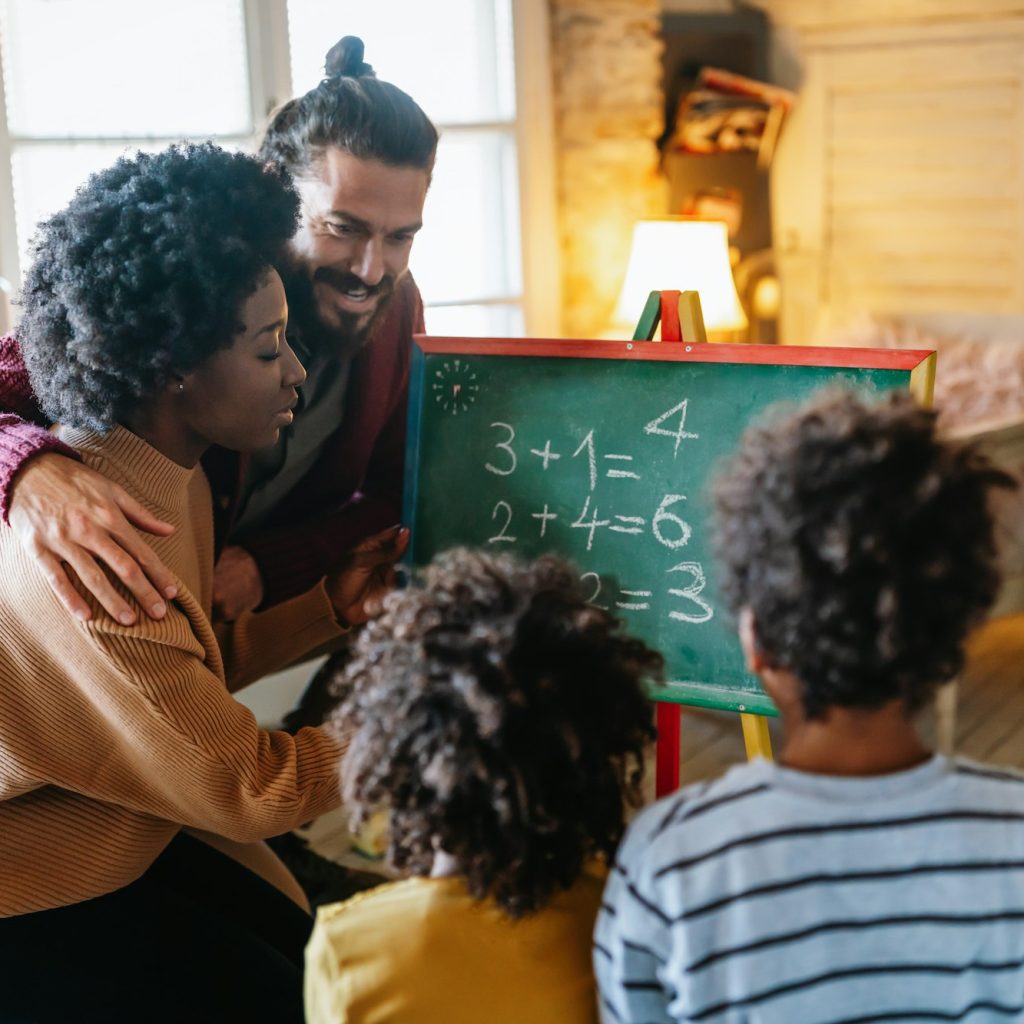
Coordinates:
(899, 186)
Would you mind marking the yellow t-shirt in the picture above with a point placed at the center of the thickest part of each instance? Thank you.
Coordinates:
(422, 951)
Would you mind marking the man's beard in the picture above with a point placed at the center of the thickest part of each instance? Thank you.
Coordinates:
(347, 336)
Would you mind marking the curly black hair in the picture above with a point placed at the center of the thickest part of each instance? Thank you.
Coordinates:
(499, 718)
(142, 275)
(863, 545)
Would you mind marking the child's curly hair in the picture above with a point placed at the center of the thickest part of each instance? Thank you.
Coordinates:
(499, 718)
(863, 545)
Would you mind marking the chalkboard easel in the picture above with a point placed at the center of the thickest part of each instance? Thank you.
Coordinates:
(603, 451)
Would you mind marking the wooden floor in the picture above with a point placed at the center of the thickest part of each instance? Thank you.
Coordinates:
(989, 721)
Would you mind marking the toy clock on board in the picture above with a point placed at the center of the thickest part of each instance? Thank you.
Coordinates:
(454, 386)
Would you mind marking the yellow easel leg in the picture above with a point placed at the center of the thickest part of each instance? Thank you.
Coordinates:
(756, 737)
(922, 381)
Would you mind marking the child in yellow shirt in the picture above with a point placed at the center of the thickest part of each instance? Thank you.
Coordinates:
(501, 722)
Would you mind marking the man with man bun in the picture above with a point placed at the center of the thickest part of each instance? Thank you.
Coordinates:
(360, 153)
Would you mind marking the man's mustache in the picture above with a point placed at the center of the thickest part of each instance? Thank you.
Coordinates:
(344, 282)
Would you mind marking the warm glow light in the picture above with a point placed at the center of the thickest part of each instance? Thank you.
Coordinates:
(684, 254)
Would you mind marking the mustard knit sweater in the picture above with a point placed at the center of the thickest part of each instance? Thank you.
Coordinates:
(113, 737)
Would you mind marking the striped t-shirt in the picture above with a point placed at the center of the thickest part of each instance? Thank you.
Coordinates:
(772, 895)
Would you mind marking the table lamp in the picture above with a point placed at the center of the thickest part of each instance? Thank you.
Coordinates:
(684, 253)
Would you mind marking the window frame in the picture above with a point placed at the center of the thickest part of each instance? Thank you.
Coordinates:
(9, 259)
(268, 62)
(537, 157)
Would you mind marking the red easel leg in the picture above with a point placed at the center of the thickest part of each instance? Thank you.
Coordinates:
(666, 777)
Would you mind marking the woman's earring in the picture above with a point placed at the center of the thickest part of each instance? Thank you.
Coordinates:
(181, 386)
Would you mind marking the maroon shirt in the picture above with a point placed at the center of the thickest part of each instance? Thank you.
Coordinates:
(353, 489)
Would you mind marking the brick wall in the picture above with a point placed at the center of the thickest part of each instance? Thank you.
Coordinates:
(606, 56)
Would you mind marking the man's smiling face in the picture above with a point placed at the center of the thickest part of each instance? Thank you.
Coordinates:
(358, 221)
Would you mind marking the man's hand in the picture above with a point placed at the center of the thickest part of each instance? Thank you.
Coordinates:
(65, 513)
(237, 584)
(357, 586)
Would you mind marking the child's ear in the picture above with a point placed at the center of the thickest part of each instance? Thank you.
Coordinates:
(748, 641)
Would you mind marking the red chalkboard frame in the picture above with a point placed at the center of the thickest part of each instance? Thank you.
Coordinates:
(678, 351)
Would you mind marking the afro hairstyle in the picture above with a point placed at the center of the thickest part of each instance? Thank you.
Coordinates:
(500, 718)
(142, 275)
(863, 545)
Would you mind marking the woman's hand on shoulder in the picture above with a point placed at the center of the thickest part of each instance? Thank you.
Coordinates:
(66, 514)
(358, 584)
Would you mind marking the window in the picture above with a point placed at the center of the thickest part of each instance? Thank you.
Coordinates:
(85, 80)
(77, 97)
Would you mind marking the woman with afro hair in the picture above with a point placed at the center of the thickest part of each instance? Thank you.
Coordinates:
(134, 789)
(499, 723)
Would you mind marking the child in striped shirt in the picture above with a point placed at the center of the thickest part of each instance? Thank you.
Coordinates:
(861, 877)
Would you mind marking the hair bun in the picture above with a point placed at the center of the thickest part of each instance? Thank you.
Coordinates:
(345, 60)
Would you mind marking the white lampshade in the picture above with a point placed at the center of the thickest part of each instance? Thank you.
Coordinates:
(684, 254)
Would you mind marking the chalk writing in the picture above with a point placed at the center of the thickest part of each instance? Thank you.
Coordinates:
(502, 537)
(634, 605)
(505, 446)
(655, 426)
(691, 593)
(635, 524)
(621, 474)
(588, 443)
(681, 603)
(663, 516)
(544, 517)
(546, 454)
(592, 524)
(592, 600)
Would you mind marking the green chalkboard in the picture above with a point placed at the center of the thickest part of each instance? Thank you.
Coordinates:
(603, 451)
